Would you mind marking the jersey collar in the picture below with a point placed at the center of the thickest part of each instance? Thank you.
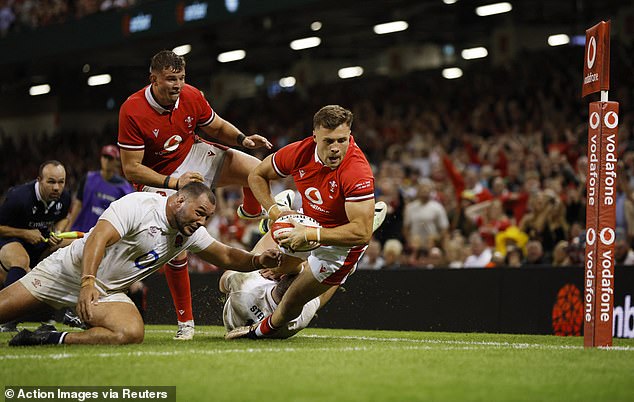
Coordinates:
(155, 105)
(38, 195)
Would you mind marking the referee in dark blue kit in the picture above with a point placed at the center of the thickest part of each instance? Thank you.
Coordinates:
(29, 216)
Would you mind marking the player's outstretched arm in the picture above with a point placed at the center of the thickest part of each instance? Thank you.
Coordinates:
(229, 134)
(259, 183)
(228, 257)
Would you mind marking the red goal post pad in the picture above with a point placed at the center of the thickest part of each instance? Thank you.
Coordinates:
(596, 60)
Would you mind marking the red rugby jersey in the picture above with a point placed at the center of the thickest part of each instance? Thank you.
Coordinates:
(324, 190)
(165, 135)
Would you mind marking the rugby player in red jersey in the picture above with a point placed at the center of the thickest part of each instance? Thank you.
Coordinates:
(336, 184)
(161, 152)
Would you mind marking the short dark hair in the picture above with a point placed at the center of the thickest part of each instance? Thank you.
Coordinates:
(167, 60)
(53, 162)
(195, 189)
(332, 116)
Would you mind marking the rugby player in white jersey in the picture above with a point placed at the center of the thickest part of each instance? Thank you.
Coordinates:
(133, 238)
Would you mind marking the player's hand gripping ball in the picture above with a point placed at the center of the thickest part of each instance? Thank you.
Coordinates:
(283, 225)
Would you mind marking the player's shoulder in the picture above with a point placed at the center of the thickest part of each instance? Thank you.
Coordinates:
(24, 192)
(297, 149)
(138, 96)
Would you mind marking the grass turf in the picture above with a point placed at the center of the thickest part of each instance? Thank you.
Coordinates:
(339, 365)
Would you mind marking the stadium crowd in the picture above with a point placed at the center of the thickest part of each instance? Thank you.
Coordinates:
(487, 170)
(25, 15)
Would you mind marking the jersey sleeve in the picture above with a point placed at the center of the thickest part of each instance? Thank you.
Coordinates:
(358, 182)
(200, 240)
(130, 136)
(207, 114)
(284, 160)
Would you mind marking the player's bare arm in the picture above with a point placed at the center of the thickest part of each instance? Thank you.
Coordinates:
(32, 236)
(354, 233)
(135, 171)
(102, 236)
(259, 183)
(227, 257)
(229, 134)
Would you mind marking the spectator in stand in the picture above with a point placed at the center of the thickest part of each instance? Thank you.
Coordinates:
(425, 217)
(97, 190)
(514, 257)
(480, 253)
(392, 254)
(535, 254)
(560, 254)
(623, 253)
(7, 17)
(490, 219)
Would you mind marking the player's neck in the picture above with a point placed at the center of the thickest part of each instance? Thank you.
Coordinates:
(166, 107)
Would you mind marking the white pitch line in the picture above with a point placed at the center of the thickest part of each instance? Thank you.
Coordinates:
(427, 345)
(512, 345)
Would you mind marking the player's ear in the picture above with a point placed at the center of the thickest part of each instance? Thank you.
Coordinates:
(314, 136)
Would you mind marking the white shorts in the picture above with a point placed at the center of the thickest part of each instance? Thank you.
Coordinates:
(58, 287)
(204, 157)
(331, 265)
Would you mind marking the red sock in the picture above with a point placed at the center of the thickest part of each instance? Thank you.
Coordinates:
(178, 281)
(265, 328)
(250, 204)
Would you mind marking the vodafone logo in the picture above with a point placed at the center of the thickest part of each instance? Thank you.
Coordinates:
(607, 236)
(611, 119)
(172, 143)
(592, 52)
(591, 236)
(594, 120)
(313, 195)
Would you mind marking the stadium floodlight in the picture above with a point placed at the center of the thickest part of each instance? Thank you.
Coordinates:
(101, 79)
(287, 82)
(558, 40)
(315, 26)
(350, 72)
(233, 55)
(450, 1)
(36, 90)
(492, 9)
(474, 53)
(182, 50)
(389, 27)
(452, 73)
(305, 43)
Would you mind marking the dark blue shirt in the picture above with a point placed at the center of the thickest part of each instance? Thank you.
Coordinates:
(23, 210)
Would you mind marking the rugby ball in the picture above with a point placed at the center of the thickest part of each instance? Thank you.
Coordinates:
(283, 225)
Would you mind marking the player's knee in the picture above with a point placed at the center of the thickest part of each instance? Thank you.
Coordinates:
(129, 335)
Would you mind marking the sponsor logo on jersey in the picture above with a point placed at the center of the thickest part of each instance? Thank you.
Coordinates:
(172, 143)
(36, 283)
(301, 173)
(313, 195)
(155, 132)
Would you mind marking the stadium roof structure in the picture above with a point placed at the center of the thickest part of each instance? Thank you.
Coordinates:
(264, 33)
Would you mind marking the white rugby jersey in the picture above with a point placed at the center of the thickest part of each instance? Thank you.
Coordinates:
(147, 243)
(250, 301)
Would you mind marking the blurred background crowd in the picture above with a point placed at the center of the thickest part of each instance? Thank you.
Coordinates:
(476, 173)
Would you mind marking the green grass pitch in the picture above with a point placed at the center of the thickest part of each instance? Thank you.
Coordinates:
(339, 365)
